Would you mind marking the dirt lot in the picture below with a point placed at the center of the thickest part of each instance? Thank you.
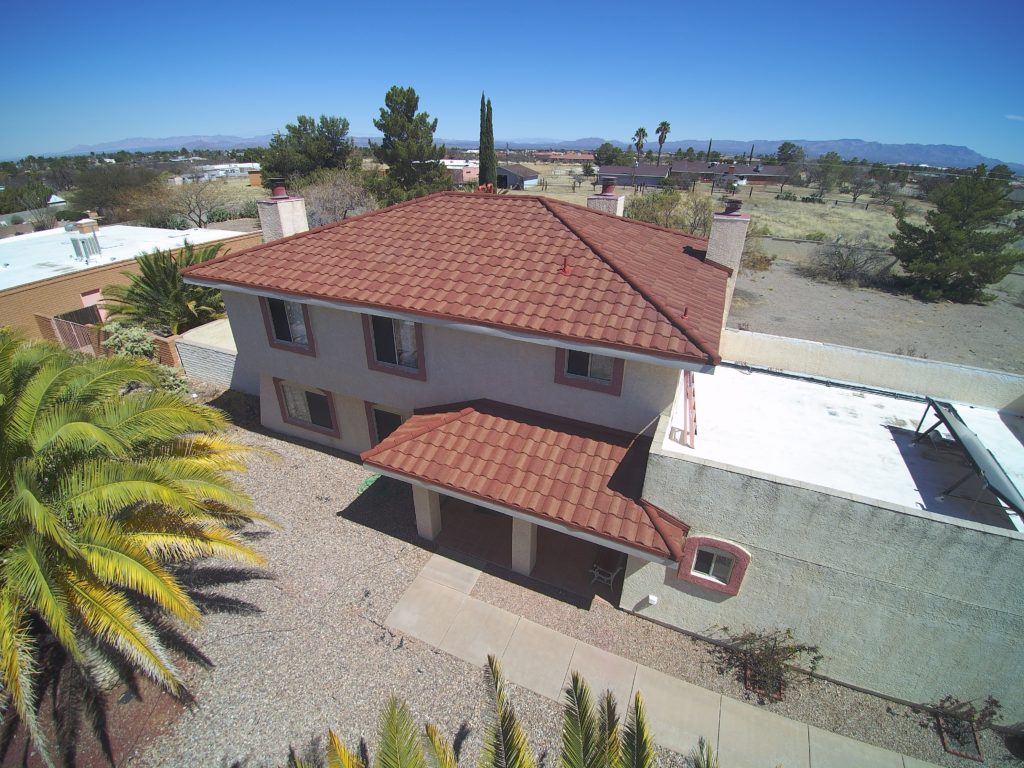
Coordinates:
(782, 302)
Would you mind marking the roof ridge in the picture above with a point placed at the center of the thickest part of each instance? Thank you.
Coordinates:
(321, 228)
(392, 440)
(684, 328)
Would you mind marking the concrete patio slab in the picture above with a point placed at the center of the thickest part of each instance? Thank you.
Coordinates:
(754, 738)
(603, 670)
(479, 629)
(835, 751)
(538, 658)
(678, 713)
(451, 573)
(913, 762)
(426, 610)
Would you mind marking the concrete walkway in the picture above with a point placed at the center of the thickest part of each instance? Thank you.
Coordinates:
(437, 609)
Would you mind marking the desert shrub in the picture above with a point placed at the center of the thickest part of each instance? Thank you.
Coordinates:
(785, 196)
(850, 262)
(129, 340)
(248, 210)
(819, 236)
(69, 215)
(754, 259)
(17, 220)
(219, 214)
(171, 380)
(813, 199)
(765, 660)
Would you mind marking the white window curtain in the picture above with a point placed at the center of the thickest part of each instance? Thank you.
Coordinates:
(296, 322)
(601, 367)
(295, 403)
(405, 340)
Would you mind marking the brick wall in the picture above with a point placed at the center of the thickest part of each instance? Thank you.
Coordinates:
(19, 306)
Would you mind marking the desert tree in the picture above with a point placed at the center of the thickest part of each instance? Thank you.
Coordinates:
(488, 158)
(333, 195)
(306, 146)
(407, 148)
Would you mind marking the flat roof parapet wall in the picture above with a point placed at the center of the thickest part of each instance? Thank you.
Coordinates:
(846, 442)
(925, 378)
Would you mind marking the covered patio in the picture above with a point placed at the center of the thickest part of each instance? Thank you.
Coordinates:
(545, 497)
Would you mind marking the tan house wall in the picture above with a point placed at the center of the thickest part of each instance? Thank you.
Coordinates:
(55, 295)
(460, 365)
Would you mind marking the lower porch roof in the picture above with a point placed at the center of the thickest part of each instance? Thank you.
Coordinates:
(574, 474)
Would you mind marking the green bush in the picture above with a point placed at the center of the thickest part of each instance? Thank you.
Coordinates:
(68, 215)
(171, 380)
(785, 196)
(818, 236)
(17, 220)
(129, 340)
(248, 210)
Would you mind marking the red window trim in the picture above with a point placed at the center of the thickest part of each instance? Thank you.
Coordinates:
(613, 387)
(336, 432)
(309, 348)
(740, 556)
(396, 370)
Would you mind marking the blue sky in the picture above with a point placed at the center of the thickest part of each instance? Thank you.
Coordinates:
(938, 72)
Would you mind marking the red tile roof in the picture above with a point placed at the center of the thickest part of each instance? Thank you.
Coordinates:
(498, 260)
(580, 475)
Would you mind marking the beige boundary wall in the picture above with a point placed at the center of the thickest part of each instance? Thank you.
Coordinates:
(901, 602)
(56, 295)
(991, 389)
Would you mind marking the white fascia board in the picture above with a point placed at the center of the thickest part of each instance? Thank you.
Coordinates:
(484, 330)
(536, 520)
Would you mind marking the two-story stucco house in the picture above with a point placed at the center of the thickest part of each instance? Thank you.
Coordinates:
(547, 365)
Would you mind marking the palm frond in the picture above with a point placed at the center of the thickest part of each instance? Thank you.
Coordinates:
(637, 745)
(107, 614)
(609, 733)
(117, 560)
(581, 744)
(181, 542)
(703, 755)
(18, 671)
(440, 748)
(338, 755)
(21, 502)
(505, 745)
(29, 573)
(398, 745)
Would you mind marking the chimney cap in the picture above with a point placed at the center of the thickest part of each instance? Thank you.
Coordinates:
(733, 204)
(277, 189)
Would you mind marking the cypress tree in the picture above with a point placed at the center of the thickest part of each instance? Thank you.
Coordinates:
(488, 160)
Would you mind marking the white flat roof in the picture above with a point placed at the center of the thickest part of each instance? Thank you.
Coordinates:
(843, 439)
(39, 255)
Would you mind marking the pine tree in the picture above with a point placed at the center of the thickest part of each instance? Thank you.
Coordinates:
(488, 159)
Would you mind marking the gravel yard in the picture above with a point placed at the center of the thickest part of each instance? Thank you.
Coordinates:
(781, 302)
(317, 655)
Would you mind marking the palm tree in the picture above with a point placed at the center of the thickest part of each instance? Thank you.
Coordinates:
(159, 300)
(103, 492)
(703, 755)
(662, 131)
(638, 141)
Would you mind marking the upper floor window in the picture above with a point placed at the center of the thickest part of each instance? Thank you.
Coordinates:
(394, 346)
(307, 407)
(288, 324)
(588, 371)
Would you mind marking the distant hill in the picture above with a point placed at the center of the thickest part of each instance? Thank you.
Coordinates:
(947, 155)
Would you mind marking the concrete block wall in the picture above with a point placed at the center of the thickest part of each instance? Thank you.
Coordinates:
(205, 363)
(905, 603)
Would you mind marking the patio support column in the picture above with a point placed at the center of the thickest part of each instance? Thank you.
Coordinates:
(524, 546)
(428, 512)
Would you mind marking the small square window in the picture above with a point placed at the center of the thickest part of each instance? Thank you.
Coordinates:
(385, 422)
(715, 565)
(585, 365)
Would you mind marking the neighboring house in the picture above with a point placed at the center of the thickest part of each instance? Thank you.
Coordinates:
(515, 176)
(47, 275)
(531, 358)
(462, 171)
(635, 175)
(564, 157)
(684, 172)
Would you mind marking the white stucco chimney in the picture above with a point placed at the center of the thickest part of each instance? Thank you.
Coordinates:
(281, 215)
(725, 246)
(606, 200)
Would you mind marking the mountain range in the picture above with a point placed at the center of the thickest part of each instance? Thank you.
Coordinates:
(947, 155)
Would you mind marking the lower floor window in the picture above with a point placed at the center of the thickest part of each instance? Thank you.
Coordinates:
(309, 406)
(385, 422)
(717, 565)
